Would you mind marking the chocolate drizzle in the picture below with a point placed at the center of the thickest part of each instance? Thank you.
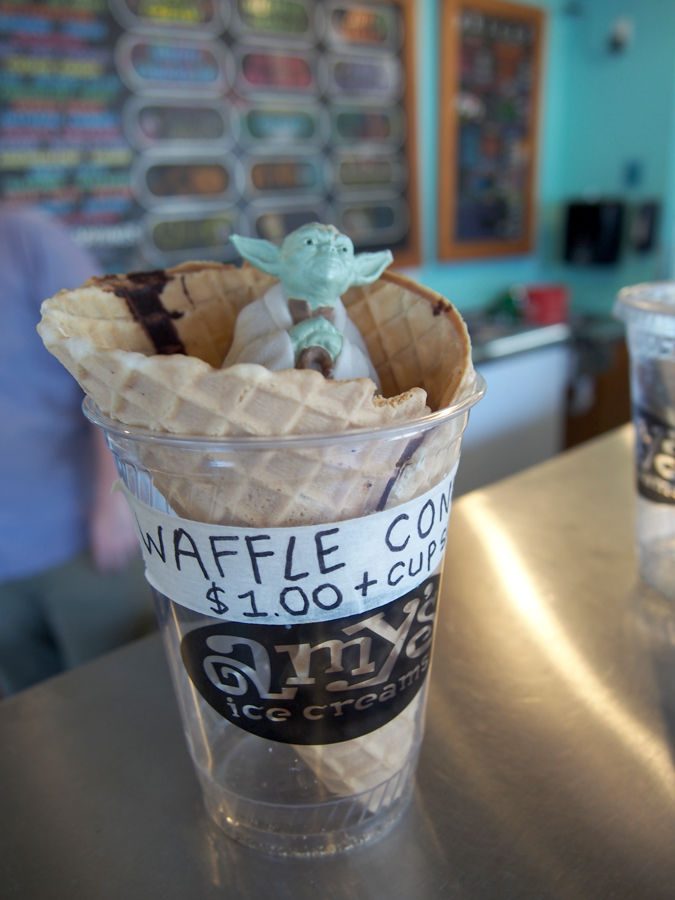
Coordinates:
(403, 461)
(143, 294)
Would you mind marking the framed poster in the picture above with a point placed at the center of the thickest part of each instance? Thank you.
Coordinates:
(155, 130)
(490, 84)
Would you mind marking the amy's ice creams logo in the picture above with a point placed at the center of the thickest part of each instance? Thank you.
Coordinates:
(318, 633)
(320, 682)
(655, 457)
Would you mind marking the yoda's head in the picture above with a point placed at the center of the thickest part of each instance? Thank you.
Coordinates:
(315, 263)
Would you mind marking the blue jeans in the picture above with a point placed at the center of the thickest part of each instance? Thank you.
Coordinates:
(68, 615)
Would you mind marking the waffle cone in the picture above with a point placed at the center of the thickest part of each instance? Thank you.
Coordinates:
(420, 348)
(366, 767)
(416, 339)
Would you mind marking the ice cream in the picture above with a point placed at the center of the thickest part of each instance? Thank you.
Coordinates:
(179, 352)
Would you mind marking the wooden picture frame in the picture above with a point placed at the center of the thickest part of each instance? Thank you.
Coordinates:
(410, 255)
(489, 119)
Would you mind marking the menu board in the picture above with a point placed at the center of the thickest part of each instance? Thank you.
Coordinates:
(489, 110)
(156, 128)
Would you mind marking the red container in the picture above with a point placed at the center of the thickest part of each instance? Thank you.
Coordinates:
(545, 304)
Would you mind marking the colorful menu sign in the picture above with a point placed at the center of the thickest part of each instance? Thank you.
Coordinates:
(156, 128)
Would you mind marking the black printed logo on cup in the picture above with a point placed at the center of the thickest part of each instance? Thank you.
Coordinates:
(316, 682)
(655, 452)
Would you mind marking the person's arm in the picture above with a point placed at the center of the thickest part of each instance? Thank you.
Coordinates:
(54, 261)
(112, 530)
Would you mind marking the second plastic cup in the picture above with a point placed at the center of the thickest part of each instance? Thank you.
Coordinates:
(649, 313)
(296, 584)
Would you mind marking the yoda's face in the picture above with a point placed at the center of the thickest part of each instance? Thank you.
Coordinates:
(316, 263)
(317, 260)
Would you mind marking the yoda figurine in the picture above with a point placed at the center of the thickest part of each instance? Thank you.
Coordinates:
(301, 322)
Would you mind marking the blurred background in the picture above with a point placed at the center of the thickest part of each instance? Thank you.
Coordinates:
(518, 158)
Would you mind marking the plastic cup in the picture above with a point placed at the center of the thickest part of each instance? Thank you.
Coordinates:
(649, 313)
(296, 583)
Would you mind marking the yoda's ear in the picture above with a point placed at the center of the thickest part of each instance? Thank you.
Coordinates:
(262, 254)
(369, 266)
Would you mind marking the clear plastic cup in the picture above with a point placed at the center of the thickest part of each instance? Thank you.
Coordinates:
(296, 582)
(649, 313)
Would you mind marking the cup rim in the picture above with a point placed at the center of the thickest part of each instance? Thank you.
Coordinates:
(270, 442)
(641, 297)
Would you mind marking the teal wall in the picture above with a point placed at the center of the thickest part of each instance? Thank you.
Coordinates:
(599, 112)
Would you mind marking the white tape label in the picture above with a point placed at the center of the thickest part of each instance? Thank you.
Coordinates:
(309, 573)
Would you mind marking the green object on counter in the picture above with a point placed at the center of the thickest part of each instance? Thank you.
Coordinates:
(507, 306)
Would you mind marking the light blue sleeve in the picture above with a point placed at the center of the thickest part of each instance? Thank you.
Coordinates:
(52, 258)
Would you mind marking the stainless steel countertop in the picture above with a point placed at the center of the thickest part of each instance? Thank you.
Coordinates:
(547, 768)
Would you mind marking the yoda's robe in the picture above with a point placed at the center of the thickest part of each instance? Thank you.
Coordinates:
(261, 336)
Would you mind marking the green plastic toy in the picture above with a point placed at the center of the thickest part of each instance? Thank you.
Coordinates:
(315, 265)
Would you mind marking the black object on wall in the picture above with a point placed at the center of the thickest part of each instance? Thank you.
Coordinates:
(644, 225)
(593, 232)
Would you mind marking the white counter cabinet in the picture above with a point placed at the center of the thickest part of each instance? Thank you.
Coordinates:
(520, 421)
